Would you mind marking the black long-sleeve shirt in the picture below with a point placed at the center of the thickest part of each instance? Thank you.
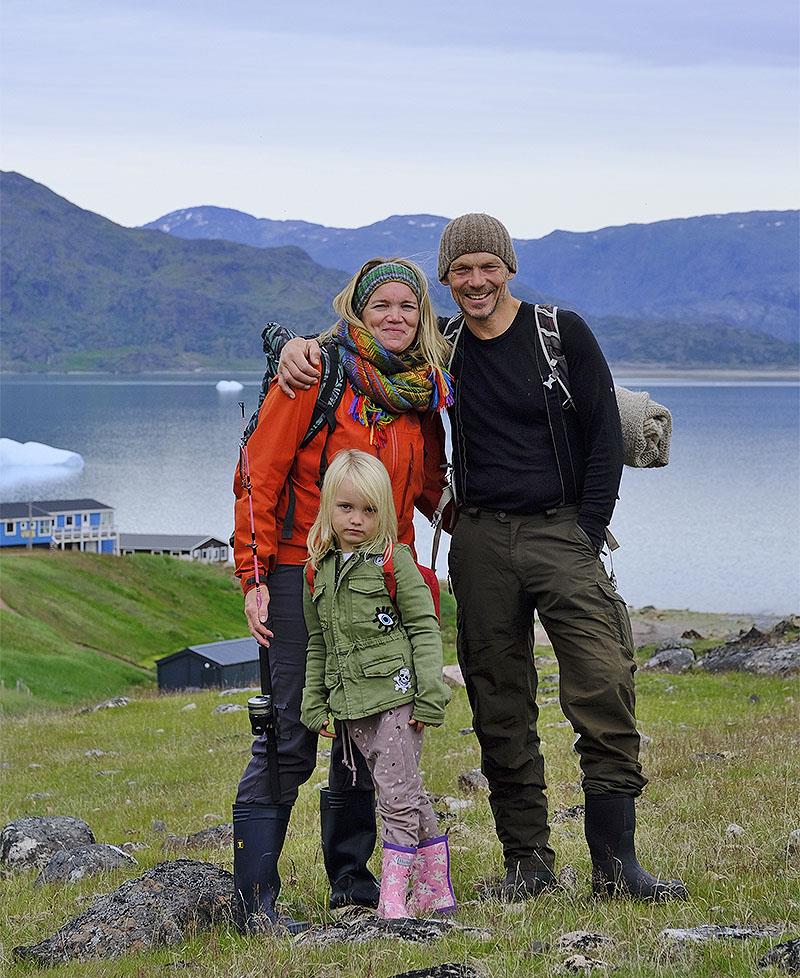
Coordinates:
(504, 451)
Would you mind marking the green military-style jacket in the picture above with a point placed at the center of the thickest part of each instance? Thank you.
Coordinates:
(366, 654)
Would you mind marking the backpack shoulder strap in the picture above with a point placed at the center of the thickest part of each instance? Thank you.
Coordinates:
(451, 331)
(549, 336)
(331, 389)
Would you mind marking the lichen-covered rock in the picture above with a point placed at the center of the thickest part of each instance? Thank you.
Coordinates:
(71, 865)
(567, 814)
(672, 660)
(229, 708)
(474, 780)
(452, 676)
(568, 879)
(370, 927)
(31, 841)
(579, 963)
(785, 956)
(442, 971)
(219, 836)
(159, 907)
(773, 654)
(582, 940)
(717, 932)
(667, 644)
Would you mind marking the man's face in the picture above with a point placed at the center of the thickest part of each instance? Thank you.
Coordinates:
(478, 283)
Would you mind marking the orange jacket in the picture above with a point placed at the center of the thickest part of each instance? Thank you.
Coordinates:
(413, 456)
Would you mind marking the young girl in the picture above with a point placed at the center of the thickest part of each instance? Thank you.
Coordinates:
(375, 663)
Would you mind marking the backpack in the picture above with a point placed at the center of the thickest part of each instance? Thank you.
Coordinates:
(331, 390)
(331, 382)
(390, 582)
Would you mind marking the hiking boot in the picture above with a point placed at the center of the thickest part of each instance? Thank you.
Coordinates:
(526, 878)
(610, 825)
(347, 821)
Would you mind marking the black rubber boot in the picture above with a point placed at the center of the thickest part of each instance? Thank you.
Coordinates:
(349, 833)
(259, 832)
(610, 824)
(527, 877)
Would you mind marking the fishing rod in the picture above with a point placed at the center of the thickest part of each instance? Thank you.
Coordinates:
(261, 709)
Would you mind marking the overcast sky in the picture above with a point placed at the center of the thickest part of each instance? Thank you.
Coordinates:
(573, 115)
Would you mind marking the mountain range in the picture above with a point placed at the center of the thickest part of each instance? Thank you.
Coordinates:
(80, 292)
(732, 269)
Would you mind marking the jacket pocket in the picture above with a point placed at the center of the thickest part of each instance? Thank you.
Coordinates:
(366, 597)
(374, 668)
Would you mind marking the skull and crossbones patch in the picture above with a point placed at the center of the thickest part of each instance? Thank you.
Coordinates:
(402, 681)
(386, 619)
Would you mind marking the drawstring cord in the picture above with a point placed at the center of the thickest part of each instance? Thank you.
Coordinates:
(347, 753)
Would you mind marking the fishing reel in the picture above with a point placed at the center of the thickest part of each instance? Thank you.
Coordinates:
(261, 713)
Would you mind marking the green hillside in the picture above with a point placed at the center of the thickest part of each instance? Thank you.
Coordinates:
(76, 627)
(80, 292)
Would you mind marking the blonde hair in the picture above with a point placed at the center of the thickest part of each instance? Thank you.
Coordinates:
(371, 481)
(429, 345)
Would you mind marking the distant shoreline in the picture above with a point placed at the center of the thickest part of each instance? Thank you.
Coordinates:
(619, 370)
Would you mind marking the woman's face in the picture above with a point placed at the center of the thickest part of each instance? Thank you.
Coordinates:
(392, 316)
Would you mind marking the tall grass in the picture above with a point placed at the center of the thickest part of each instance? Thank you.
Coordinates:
(163, 762)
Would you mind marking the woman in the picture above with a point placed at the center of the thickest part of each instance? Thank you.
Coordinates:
(392, 355)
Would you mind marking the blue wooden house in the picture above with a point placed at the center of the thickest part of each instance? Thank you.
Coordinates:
(60, 524)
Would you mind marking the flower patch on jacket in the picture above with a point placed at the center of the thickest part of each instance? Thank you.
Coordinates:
(386, 619)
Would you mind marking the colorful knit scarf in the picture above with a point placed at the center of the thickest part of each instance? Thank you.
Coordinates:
(385, 384)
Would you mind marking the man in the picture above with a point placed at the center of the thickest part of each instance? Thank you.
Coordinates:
(535, 484)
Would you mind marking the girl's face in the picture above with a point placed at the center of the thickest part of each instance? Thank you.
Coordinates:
(353, 519)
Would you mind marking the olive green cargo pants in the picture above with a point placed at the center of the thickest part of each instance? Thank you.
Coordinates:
(503, 567)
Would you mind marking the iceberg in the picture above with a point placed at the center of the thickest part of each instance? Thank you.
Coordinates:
(230, 386)
(33, 454)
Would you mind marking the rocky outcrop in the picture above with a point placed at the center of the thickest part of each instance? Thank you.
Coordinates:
(362, 927)
(34, 840)
(674, 660)
(71, 865)
(160, 907)
(773, 653)
(784, 956)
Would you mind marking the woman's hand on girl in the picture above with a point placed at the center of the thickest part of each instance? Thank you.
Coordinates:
(257, 616)
(418, 725)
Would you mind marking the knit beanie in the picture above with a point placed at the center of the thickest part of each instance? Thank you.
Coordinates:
(387, 271)
(475, 232)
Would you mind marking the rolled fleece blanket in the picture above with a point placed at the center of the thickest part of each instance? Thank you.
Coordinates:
(646, 429)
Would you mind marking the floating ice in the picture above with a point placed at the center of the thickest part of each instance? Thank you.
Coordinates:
(32, 454)
(230, 386)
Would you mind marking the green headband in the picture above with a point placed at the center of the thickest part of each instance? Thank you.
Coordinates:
(380, 275)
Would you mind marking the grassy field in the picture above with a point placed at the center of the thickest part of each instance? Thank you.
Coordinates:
(162, 762)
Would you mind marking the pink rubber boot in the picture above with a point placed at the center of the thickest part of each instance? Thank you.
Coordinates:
(395, 874)
(431, 889)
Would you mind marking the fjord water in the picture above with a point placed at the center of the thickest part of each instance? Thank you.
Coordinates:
(717, 530)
